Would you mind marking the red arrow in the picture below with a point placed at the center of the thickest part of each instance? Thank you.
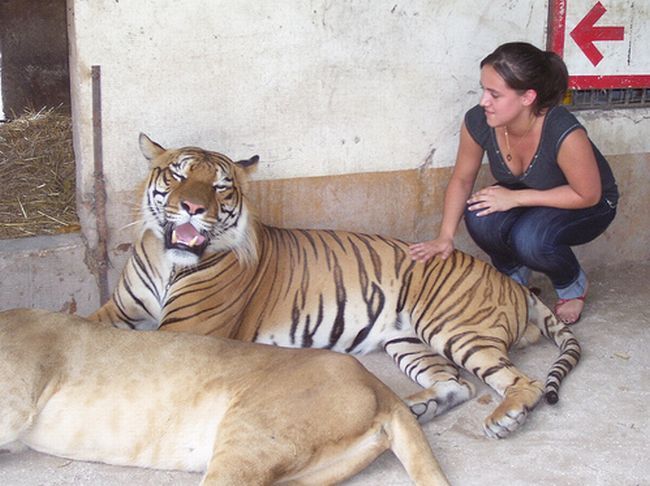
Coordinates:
(585, 33)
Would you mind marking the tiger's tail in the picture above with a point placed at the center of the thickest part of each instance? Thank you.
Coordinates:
(552, 328)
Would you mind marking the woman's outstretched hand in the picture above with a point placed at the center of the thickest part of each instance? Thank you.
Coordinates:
(425, 250)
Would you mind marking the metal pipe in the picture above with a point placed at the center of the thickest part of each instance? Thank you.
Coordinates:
(101, 251)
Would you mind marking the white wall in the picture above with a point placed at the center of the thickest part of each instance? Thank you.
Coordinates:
(313, 87)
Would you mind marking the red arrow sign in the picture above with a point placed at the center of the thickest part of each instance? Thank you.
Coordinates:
(585, 33)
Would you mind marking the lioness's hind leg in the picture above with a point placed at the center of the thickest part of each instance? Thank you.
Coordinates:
(15, 418)
(290, 459)
(17, 408)
(443, 386)
(236, 466)
(342, 460)
(520, 393)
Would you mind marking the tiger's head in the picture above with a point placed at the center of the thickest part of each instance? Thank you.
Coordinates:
(194, 204)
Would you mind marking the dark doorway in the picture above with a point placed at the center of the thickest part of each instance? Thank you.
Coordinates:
(34, 55)
(36, 137)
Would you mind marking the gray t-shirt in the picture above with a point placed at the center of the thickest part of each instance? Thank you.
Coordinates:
(543, 172)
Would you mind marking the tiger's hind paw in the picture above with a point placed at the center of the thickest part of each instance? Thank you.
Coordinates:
(513, 410)
(504, 425)
(439, 398)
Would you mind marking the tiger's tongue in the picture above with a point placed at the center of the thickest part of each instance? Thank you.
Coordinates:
(187, 235)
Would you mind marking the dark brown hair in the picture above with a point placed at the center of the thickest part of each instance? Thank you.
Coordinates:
(524, 66)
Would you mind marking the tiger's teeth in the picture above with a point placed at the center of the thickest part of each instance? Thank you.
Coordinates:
(174, 237)
(194, 240)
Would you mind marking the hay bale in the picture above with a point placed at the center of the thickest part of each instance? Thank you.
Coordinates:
(37, 194)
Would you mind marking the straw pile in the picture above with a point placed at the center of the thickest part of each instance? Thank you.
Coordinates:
(37, 191)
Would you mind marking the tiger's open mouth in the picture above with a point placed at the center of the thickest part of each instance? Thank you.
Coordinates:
(185, 238)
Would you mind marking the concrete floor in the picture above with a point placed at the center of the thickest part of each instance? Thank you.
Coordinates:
(597, 434)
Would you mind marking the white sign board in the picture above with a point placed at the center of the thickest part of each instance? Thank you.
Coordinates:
(605, 43)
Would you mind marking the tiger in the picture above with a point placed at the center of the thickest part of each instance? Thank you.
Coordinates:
(204, 263)
(241, 413)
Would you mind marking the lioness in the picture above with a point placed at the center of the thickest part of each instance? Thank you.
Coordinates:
(245, 413)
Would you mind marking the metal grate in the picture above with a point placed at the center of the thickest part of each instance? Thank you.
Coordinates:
(589, 99)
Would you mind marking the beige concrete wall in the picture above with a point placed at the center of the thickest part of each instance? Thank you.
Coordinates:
(407, 204)
(46, 272)
(628, 237)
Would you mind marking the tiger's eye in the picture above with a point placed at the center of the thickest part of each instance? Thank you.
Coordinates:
(177, 176)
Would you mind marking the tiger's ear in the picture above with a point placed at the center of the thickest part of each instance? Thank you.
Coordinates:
(149, 148)
(248, 162)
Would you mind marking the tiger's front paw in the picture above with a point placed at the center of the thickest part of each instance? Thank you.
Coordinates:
(439, 398)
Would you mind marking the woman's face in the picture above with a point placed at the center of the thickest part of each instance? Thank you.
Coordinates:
(502, 104)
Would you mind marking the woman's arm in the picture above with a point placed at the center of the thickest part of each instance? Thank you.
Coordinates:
(468, 163)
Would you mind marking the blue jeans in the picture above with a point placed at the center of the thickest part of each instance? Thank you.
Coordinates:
(540, 239)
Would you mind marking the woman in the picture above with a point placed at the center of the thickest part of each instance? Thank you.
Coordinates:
(554, 188)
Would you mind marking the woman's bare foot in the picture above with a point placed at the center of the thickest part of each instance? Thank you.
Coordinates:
(569, 311)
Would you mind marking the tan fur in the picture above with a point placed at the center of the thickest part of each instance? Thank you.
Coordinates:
(339, 290)
(245, 413)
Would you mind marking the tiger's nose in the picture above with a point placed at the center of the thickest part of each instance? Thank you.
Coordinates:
(192, 208)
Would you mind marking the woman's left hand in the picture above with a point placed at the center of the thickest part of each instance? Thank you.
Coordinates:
(492, 199)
